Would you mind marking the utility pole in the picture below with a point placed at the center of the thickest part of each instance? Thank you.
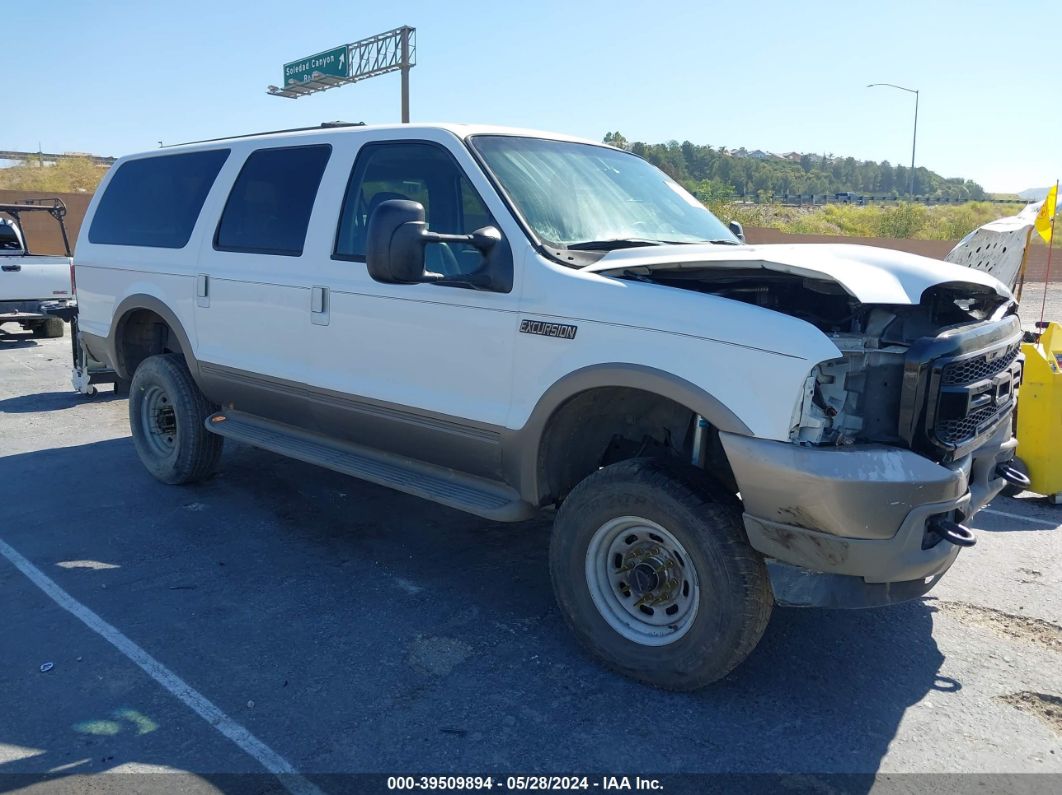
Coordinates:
(914, 138)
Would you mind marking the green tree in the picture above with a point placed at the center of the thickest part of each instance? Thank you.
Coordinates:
(691, 163)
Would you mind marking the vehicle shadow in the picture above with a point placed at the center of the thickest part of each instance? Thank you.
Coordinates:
(1028, 513)
(422, 639)
(13, 342)
(52, 401)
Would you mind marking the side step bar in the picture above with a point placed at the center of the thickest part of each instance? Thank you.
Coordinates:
(484, 498)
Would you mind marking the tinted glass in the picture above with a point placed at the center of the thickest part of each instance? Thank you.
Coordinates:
(573, 193)
(422, 173)
(155, 201)
(8, 238)
(269, 207)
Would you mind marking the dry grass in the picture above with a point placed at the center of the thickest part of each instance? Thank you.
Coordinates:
(903, 220)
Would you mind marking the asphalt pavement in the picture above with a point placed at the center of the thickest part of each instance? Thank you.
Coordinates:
(338, 628)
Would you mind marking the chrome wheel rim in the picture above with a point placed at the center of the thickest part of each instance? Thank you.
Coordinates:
(642, 581)
(158, 421)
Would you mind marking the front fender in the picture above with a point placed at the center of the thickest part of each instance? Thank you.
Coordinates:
(521, 465)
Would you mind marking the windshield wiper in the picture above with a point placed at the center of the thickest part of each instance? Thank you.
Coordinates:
(613, 243)
(633, 242)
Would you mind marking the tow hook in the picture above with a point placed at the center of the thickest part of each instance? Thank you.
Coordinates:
(1012, 475)
(957, 534)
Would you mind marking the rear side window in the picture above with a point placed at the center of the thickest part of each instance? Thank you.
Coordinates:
(155, 201)
(269, 207)
(8, 239)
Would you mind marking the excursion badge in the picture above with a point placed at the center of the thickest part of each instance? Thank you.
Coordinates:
(561, 330)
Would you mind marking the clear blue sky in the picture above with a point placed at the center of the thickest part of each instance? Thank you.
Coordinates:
(119, 76)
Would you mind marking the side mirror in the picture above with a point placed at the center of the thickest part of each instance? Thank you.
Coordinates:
(738, 230)
(397, 235)
(394, 251)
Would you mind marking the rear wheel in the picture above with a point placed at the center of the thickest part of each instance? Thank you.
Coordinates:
(49, 329)
(167, 413)
(653, 573)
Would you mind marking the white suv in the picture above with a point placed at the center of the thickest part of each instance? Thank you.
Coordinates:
(505, 321)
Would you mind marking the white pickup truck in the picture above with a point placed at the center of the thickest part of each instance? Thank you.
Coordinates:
(509, 322)
(31, 282)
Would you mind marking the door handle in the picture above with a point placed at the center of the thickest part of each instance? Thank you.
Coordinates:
(319, 314)
(202, 290)
(11, 268)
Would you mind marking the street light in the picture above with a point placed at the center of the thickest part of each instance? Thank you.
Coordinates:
(914, 138)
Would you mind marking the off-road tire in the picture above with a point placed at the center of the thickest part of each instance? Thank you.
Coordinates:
(190, 452)
(735, 599)
(49, 329)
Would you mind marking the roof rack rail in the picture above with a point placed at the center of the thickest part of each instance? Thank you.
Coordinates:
(322, 125)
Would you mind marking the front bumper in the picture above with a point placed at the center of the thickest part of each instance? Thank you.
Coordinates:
(859, 514)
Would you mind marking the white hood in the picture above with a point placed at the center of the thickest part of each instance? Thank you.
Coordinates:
(871, 275)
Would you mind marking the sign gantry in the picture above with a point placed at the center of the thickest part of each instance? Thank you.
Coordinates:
(393, 51)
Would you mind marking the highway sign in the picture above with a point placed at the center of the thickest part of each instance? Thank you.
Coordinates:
(334, 63)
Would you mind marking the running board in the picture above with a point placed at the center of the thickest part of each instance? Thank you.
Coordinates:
(446, 486)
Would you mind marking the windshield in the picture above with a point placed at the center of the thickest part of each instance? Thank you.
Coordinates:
(578, 195)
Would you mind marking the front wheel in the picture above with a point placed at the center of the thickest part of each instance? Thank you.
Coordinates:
(654, 575)
(167, 413)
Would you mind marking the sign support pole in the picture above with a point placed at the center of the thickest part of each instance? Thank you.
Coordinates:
(1047, 274)
(405, 75)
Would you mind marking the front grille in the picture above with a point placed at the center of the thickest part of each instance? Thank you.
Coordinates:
(959, 387)
(973, 394)
(956, 431)
(979, 367)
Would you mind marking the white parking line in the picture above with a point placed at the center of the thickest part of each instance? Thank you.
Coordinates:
(1020, 518)
(292, 780)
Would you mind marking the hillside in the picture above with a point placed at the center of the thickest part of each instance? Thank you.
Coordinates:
(1033, 194)
(73, 175)
(718, 174)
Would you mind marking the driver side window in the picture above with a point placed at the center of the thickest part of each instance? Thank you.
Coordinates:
(419, 172)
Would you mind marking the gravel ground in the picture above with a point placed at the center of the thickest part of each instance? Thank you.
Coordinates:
(1032, 301)
(351, 629)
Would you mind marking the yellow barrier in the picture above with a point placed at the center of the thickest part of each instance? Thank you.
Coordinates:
(1040, 413)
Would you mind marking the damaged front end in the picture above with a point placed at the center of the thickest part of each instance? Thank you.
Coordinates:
(893, 444)
(938, 378)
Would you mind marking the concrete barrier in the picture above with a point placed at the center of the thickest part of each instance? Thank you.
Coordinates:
(937, 249)
(44, 235)
(42, 232)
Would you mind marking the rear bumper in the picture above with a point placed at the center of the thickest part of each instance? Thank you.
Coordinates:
(27, 311)
(859, 514)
